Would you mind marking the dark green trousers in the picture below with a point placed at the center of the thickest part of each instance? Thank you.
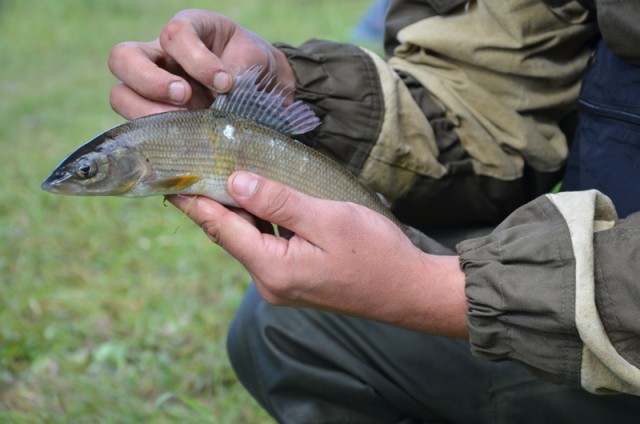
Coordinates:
(308, 367)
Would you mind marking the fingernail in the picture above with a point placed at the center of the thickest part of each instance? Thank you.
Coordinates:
(177, 92)
(221, 81)
(244, 184)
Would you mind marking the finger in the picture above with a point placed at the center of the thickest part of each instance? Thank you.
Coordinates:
(206, 213)
(238, 236)
(185, 203)
(137, 66)
(274, 263)
(279, 204)
(262, 225)
(130, 105)
(183, 38)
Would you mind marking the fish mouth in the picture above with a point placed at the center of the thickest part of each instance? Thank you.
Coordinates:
(57, 183)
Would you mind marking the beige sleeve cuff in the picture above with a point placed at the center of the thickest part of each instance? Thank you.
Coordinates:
(603, 369)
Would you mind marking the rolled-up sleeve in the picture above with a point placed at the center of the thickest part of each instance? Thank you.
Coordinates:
(341, 84)
(551, 289)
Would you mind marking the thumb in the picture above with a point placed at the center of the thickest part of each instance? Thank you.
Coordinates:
(272, 201)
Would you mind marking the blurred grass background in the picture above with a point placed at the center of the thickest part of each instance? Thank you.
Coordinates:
(111, 310)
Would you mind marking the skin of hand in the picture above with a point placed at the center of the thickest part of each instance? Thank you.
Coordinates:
(342, 257)
(194, 58)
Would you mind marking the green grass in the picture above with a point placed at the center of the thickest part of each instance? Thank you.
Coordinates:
(111, 310)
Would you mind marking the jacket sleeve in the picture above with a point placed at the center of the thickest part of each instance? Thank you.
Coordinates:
(555, 288)
(455, 128)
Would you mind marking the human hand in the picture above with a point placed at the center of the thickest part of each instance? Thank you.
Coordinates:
(194, 58)
(342, 257)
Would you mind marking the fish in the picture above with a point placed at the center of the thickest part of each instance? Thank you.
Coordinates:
(193, 152)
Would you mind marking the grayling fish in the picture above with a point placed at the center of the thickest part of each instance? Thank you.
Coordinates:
(195, 151)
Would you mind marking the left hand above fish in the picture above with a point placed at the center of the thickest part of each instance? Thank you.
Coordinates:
(195, 57)
(330, 262)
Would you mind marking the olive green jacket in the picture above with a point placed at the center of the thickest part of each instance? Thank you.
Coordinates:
(465, 121)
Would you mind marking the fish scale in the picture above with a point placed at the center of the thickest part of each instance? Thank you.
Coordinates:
(262, 150)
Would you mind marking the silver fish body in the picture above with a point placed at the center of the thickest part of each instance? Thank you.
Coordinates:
(194, 152)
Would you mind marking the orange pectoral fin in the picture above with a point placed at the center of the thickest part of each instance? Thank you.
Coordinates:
(173, 184)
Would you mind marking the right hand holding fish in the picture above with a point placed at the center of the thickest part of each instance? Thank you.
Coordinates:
(193, 59)
(343, 257)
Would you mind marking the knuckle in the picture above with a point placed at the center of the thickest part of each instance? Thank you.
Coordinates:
(173, 27)
(119, 49)
(278, 287)
(118, 54)
(212, 231)
(285, 283)
(270, 298)
(276, 208)
(277, 282)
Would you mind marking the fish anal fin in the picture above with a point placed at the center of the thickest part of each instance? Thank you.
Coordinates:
(250, 99)
(173, 184)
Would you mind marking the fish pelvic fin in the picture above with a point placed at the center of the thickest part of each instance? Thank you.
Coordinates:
(173, 184)
(250, 99)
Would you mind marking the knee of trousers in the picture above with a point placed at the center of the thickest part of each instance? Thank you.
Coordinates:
(246, 345)
(270, 349)
(246, 331)
(259, 344)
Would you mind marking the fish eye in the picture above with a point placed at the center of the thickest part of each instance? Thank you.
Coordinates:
(87, 169)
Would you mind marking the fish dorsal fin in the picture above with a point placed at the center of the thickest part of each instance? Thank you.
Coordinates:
(250, 99)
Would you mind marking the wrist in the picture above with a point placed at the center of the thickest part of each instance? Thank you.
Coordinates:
(449, 301)
(434, 297)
